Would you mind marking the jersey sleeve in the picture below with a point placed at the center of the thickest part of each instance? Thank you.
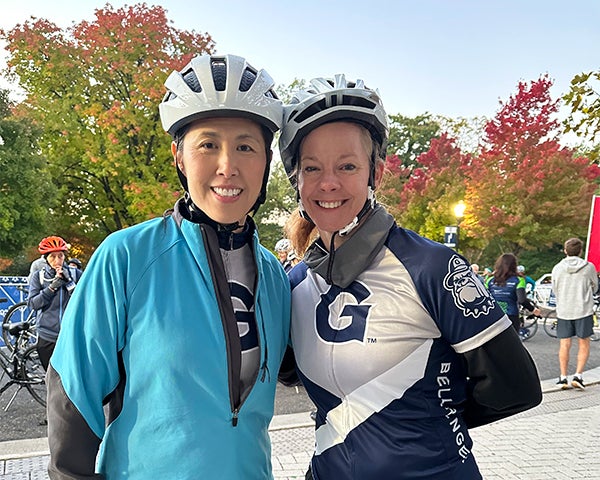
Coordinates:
(461, 306)
(502, 380)
(84, 366)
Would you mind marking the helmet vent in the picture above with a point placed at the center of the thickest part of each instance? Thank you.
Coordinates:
(191, 80)
(248, 78)
(358, 102)
(219, 74)
(312, 110)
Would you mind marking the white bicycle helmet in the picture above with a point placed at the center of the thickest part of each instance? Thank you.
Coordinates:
(324, 101)
(283, 245)
(219, 86)
(222, 86)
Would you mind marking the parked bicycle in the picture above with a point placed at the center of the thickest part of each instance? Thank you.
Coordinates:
(550, 321)
(21, 366)
(19, 312)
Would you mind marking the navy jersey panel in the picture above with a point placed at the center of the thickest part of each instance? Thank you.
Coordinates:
(381, 360)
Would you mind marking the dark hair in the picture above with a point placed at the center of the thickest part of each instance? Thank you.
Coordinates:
(504, 268)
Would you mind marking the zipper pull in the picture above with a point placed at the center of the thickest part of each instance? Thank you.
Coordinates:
(265, 371)
(234, 419)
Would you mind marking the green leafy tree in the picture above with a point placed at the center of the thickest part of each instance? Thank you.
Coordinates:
(468, 133)
(26, 190)
(94, 89)
(410, 137)
(280, 203)
(583, 99)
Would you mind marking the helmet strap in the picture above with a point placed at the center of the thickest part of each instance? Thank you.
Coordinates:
(367, 207)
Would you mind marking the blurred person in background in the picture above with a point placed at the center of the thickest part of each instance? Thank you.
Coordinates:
(508, 289)
(285, 253)
(574, 283)
(529, 282)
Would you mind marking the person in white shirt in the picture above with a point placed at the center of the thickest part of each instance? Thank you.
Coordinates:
(574, 282)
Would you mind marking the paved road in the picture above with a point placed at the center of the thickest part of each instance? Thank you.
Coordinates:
(22, 419)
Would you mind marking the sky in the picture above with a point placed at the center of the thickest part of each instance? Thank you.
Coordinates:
(456, 58)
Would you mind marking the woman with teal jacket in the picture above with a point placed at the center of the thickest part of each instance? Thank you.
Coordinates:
(167, 361)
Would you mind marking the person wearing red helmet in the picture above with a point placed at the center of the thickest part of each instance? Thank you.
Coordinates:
(50, 289)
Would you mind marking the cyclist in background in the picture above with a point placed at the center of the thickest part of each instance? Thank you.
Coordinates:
(182, 321)
(75, 262)
(286, 254)
(508, 289)
(49, 293)
(529, 282)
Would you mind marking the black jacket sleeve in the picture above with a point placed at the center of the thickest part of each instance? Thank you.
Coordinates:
(503, 380)
(523, 300)
(288, 375)
(73, 444)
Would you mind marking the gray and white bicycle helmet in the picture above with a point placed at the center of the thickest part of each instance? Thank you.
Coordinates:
(328, 100)
(221, 86)
(283, 245)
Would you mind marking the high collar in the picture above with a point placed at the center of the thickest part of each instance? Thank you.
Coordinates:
(227, 240)
(341, 266)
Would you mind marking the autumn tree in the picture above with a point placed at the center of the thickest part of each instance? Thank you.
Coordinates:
(93, 89)
(525, 190)
(433, 188)
(26, 189)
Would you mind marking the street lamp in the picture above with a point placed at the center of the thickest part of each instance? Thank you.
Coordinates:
(459, 213)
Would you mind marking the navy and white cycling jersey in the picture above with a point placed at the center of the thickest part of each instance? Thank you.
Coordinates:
(381, 359)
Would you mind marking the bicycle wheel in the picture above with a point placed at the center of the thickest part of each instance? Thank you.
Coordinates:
(596, 335)
(550, 323)
(19, 312)
(34, 375)
(529, 327)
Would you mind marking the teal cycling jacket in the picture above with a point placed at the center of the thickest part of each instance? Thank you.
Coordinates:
(144, 335)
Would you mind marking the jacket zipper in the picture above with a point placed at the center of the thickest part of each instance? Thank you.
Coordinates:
(232, 339)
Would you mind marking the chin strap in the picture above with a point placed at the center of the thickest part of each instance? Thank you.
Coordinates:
(369, 205)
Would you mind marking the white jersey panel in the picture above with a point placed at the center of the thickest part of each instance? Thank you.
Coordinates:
(371, 327)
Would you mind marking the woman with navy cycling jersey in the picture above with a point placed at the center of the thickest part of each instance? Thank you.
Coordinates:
(508, 289)
(405, 349)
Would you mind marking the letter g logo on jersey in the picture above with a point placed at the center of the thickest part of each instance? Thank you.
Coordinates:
(340, 316)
